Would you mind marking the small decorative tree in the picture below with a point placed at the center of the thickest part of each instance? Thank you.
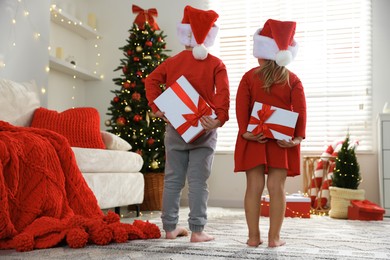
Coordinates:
(347, 170)
(345, 181)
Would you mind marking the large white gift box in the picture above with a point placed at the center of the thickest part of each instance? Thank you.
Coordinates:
(273, 122)
(183, 107)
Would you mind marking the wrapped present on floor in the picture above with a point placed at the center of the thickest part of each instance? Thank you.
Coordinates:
(297, 206)
(273, 122)
(365, 210)
(183, 107)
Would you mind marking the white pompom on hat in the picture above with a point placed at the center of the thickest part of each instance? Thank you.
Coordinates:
(197, 30)
(275, 41)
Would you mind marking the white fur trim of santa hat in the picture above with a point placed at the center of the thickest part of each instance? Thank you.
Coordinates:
(186, 37)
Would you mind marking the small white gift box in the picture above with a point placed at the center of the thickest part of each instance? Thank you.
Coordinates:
(183, 107)
(273, 122)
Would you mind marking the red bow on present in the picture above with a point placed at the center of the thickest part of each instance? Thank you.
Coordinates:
(265, 128)
(191, 119)
(144, 16)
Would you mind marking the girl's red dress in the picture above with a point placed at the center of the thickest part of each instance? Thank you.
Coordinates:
(249, 154)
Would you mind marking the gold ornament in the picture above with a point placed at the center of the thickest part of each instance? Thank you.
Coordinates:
(148, 57)
(154, 165)
(147, 119)
(134, 137)
(107, 122)
(127, 109)
(138, 49)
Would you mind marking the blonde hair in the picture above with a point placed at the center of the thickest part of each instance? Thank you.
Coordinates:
(271, 73)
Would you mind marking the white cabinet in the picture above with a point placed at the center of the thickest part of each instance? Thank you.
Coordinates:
(384, 160)
(73, 26)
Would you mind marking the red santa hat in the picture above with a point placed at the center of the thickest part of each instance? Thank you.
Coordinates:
(275, 41)
(197, 30)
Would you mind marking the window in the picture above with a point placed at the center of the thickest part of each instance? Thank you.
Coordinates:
(333, 62)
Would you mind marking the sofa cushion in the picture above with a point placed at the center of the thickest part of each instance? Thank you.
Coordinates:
(18, 102)
(107, 161)
(81, 126)
(114, 142)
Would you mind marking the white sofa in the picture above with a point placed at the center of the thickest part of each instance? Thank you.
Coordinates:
(112, 173)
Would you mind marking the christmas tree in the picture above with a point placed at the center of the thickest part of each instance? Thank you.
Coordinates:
(347, 171)
(131, 117)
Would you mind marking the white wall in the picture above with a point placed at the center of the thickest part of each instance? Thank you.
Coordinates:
(24, 53)
(114, 19)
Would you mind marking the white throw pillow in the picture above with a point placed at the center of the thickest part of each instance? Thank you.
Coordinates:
(18, 102)
(114, 142)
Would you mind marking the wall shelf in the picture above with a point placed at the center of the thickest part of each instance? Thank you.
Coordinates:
(71, 23)
(72, 70)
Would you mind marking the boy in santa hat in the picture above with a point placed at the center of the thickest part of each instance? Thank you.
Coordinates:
(270, 83)
(191, 161)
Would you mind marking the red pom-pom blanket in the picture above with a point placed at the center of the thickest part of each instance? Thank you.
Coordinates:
(45, 200)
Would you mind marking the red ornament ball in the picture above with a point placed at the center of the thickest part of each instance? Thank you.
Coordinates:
(149, 43)
(137, 118)
(129, 52)
(136, 59)
(116, 99)
(159, 39)
(150, 141)
(139, 73)
(126, 84)
(136, 96)
(133, 85)
(124, 69)
(121, 121)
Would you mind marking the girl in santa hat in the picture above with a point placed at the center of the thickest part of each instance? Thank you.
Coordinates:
(191, 161)
(273, 84)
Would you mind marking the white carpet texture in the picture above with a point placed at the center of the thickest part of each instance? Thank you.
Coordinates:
(319, 237)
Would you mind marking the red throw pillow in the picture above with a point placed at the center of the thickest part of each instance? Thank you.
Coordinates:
(81, 126)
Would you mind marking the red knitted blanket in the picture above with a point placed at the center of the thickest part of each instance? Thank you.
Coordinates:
(44, 199)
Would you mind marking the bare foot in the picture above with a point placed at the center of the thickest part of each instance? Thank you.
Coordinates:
(178, 232)
(201, 237)
(276, 243)
(254, 242)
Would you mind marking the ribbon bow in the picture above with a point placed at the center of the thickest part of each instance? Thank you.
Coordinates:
(145, 16)
(198, 111)
(262, 127)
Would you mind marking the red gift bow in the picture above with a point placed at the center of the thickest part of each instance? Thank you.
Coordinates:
(191, 119)
(144, 16)
(262, 127)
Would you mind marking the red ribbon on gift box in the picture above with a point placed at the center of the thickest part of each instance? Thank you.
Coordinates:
(191, 119)
(144, 16)
(262, 127)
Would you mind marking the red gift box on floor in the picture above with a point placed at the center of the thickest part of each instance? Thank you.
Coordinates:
(183, 107)
(297, 206)
(365, 210)
(273, 122)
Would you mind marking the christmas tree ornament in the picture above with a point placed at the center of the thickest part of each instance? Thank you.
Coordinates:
(148, 57)
(126, 84)
(136, 59)
(145, 16)
(137, 118)
(107, 122)
(121, 121)
(147, 120)
(127, 109)
(154, 165)
(129, 52)
(136, 96)
(149, 43)
(150, 141)
(124, 69)
(139, 73)
(134, 137)
(116, 99)
(133, 84)
(138, 49)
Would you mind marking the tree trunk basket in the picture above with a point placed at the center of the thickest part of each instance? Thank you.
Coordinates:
(340, 200)
(154, 185)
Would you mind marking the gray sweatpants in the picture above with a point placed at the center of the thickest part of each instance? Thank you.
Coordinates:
(192, 162)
